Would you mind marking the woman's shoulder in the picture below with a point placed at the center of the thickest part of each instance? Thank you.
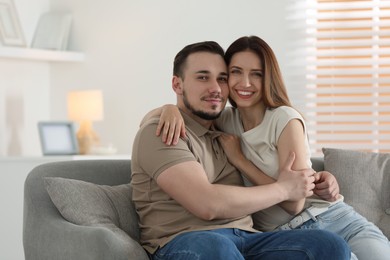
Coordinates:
(279, 118)
(228, 114)
(229, 110)
(227, 118)
(284, 112)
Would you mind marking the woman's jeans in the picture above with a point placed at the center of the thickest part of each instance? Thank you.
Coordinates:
(364, 238)
(230, 243)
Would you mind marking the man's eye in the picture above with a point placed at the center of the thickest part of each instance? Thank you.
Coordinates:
(223, 79)
(202, 77)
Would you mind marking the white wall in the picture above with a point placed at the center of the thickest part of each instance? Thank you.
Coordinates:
(129, 48)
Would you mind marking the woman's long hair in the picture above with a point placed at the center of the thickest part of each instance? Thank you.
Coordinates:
(273, 90)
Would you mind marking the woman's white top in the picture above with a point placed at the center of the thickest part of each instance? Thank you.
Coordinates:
(259, 145)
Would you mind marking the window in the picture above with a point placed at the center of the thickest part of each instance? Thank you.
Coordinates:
(347, 85)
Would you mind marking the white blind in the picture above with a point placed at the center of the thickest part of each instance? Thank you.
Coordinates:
(345, 51)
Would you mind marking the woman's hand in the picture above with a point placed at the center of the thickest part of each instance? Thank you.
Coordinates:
(171, 125)
(232, 147)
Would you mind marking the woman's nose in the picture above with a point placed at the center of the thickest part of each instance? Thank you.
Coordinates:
(246, 82)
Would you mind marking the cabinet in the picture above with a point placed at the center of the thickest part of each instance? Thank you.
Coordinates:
(13, 172)
(40, 54)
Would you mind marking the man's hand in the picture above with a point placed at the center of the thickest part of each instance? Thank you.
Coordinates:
(298, 184)
(326, 186)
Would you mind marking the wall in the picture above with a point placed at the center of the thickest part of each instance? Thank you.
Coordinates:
(129, 48)
(24, 97)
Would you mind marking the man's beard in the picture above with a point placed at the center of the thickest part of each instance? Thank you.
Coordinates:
(199, 113)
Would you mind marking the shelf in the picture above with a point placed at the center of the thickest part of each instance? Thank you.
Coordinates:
(41, 55)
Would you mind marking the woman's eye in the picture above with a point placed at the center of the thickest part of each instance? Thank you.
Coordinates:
(235, 72)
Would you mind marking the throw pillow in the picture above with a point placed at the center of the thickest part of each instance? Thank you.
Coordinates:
(89, 204)
(364, 180)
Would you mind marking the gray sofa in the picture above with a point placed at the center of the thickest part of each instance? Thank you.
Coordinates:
(46, 233)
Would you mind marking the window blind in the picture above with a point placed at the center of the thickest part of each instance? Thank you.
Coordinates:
(345, 52)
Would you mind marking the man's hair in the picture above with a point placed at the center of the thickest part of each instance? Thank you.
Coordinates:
(181, 57)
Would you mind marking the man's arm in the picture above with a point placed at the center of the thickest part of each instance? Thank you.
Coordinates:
(326, 187)
(187, 183)
(291, 140)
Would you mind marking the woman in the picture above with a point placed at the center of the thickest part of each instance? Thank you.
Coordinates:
(269, 129)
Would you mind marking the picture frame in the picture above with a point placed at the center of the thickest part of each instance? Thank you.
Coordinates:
(11, 33)
(53, 31)
(58, 138)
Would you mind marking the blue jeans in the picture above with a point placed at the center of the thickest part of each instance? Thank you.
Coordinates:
(230, 243)
(364, 238)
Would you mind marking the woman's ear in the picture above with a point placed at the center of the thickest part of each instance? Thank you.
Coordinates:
(177, 85)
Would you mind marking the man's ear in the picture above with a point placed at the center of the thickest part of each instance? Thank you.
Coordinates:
(177, 85)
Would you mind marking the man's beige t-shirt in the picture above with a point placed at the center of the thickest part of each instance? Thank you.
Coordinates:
(161, 217)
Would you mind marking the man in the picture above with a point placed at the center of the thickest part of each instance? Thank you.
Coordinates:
(191, 201)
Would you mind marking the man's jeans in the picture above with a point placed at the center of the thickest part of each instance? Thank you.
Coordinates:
(364, 238)
(228, 244)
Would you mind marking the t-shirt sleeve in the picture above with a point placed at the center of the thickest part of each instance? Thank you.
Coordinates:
(284, 115)
(154, 156)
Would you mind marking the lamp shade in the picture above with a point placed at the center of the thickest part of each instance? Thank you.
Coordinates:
(85, 105)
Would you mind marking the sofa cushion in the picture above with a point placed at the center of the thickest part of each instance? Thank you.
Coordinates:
(364, 180)
(89, 204)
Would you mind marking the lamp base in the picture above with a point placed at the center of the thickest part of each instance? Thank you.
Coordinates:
(86, 138)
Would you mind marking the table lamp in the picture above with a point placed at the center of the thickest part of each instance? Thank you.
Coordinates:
(84, 107)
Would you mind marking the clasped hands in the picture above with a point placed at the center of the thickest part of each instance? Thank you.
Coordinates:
(306, 182)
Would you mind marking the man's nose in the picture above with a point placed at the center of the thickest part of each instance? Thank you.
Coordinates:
(215, 87)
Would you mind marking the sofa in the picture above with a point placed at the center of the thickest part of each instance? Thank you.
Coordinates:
(83, 209)
(48, 235)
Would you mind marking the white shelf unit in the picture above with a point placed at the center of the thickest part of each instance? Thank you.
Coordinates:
(41, 55)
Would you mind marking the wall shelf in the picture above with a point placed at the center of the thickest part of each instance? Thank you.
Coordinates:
(41, 55)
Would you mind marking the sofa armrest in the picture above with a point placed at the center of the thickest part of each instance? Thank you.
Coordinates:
(47, 235)
(60, 239)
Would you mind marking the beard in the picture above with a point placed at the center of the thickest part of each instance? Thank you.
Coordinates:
(199, 113)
